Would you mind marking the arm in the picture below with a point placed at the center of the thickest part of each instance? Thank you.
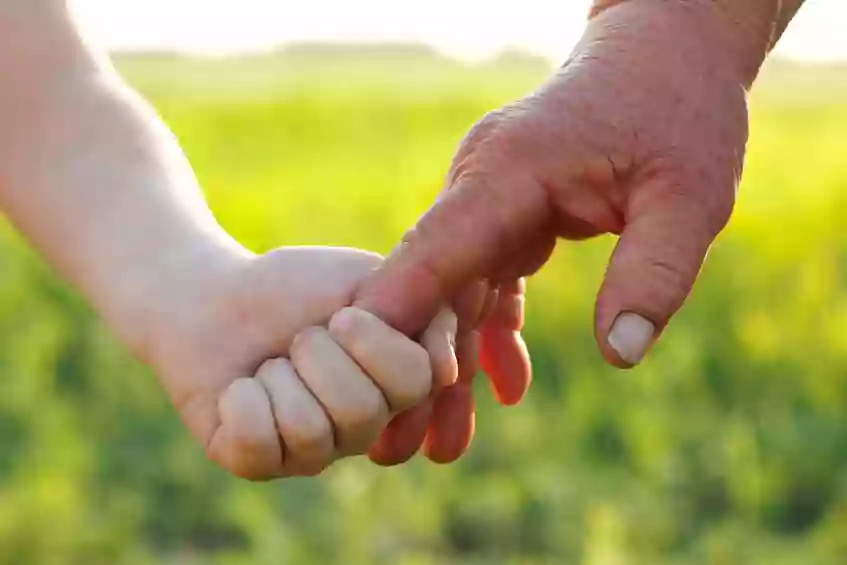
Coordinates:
(98, 184)
(93, 178)
(761, 24)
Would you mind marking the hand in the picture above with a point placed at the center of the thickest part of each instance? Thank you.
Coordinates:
(97, 183)
(642, 134)
(340, 388)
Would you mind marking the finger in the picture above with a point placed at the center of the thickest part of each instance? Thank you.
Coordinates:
(508, 311)
(246, 443)
(491, 298)
(398, 366)
(305, 428)
(439, 340)
(467, 350)
(530, 257)
(403, 436)
(355, 405)
(461, 237)
(452, 423)
(503, 354)
(470, 303)
(405, 433)
(650, 275)
(505, 360)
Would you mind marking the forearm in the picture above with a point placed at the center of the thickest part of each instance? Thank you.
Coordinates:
(754, 26)
(98, 184)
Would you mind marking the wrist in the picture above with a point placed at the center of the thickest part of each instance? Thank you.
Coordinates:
(742, 32)
(164, 293)
(754, 27)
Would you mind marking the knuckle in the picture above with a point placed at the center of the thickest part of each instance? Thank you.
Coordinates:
(311, 438)
(508, 314)
(270, 369)
(305, 341)
(492, 138)
(365, 417)
(447, 321)
(352, 328)
(345, 324)
(490, 124)
(468, 304)
(410, 381)
(494, 134)
(419, 376)
(416, 387)
(275, 365)
(429, 269)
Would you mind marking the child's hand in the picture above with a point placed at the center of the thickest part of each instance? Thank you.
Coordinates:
(97, 183)
(219, 353)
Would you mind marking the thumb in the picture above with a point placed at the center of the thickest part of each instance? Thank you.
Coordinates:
(477, 223)
(652, 270)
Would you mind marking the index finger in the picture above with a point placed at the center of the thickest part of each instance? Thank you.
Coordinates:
(460, 238)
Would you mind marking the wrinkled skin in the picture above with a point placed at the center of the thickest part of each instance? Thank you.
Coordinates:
(641, 133)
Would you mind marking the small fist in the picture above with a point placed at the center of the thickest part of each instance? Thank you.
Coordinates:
(333, 398)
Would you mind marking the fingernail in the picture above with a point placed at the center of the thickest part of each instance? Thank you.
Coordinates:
(631, 337)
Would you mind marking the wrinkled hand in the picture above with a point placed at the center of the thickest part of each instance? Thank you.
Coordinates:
(642, 134)
(221, 353)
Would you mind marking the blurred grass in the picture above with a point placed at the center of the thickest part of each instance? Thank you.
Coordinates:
(729, 446)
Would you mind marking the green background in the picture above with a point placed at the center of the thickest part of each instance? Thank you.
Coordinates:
(728, 446)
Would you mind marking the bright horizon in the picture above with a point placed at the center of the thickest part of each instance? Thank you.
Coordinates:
(544, 27)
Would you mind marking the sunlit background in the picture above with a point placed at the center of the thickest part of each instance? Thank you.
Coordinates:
(727, 447)
(469, 29)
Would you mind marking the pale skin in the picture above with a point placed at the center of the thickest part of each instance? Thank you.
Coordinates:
(641, 134)
(271, 370)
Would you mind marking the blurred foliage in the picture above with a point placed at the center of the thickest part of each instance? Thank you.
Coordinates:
(728, 446)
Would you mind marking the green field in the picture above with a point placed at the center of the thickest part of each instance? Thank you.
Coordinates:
(727, 447)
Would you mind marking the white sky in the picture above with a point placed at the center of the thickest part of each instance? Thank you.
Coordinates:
(463, 28)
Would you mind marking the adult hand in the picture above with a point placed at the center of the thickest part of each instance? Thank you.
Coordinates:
(642, 134)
